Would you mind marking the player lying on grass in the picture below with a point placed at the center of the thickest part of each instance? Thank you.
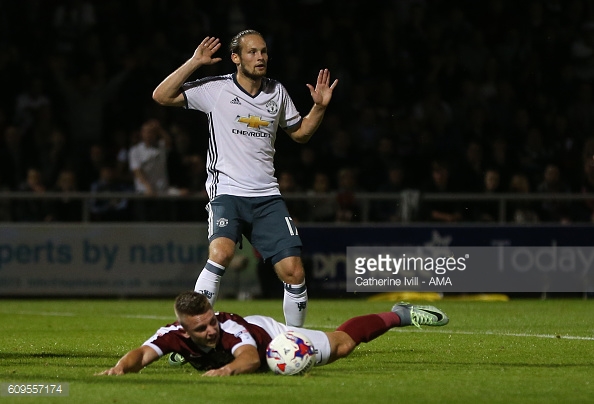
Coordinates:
(224, 344)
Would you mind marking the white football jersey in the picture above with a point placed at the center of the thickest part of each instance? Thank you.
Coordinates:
(240, 158)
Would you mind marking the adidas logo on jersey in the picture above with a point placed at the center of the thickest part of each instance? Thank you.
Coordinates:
(235, 101)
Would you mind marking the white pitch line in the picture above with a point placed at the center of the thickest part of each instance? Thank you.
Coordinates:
(40, 313)
(148, 317)
(500, 334)
(505, 334)
(66, 314)
(425, 329)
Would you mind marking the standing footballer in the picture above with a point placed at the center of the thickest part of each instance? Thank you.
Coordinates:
(244, 110)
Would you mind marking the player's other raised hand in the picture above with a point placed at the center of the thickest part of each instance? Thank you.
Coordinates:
(322, 92)
(207, 48)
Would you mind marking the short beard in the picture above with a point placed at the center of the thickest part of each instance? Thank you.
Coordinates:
(251, 76)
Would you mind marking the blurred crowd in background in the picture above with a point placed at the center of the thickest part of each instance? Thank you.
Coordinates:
(438, 96)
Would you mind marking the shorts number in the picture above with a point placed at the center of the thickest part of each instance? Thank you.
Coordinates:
(292, 228)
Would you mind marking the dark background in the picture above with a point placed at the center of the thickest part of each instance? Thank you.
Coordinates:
(469, 85)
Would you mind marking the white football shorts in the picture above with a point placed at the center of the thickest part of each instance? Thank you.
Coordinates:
(319, 339)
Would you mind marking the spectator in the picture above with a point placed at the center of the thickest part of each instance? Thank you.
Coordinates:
(348, 207)
(441, 183)
(501, 107)
(180, 157)
(308, 167)
(54, 156)
(42, 128)
(520, 125)
(109, 209)
(15, 157)
(29, 103)
(488, 211)
(121, 149)
(5, 204)
(341, 153)
(3, 120)
(566, 150)
(587, 211)
(553, 210)
(502, 158)
(521, 211)
(71, 19)
(192, 210)
(32, 210)
(432, 111)
(368, 129)
(390, 210)
(533, 155)
(89, 164)
(580, 112)
(65, 209)
(197, 175)
(492, 74)
(472, 169)
(287, 186)
(148, 159)
(148, 163)
(322, 204)
(375, 164)
(475, 124)
(85, 97)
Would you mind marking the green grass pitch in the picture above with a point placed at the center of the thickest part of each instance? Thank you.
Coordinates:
(520, 351)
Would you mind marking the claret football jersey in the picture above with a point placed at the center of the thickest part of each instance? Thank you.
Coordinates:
(235, 332)
(240, 158)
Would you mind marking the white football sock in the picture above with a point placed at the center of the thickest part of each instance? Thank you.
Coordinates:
(209, 280)
(295, 304)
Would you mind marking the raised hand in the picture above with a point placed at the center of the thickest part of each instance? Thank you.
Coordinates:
(322, 92)
(204, 51)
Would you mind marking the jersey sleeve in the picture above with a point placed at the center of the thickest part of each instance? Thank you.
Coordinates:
(235, 334)
(202, 94)
(166, 340)
(290, 117)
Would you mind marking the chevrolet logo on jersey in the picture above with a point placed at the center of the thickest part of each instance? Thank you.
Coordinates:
(253, 121)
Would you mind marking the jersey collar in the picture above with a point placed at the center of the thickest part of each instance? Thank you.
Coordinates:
(234, 75)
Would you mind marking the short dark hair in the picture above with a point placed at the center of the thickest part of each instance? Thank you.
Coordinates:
(191, 303)
(235, 44)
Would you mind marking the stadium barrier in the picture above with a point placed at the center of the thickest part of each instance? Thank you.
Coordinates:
(160, 259)
(406, 203)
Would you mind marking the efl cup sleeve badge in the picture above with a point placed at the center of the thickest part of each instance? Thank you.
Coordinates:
(222, 222)
(272, 107)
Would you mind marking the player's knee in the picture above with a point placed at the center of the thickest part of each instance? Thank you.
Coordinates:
(221, 253)
(293, 274)
(289, 267)
(341, 345)
(221, 257)
(345, 347)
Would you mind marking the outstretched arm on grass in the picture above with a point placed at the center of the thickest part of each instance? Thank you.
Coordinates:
(133, 362)
(246, 360)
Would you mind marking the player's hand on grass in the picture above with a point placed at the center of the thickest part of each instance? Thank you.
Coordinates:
(204, 52)
(111, 372)
(224, 371)
(322, 92)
